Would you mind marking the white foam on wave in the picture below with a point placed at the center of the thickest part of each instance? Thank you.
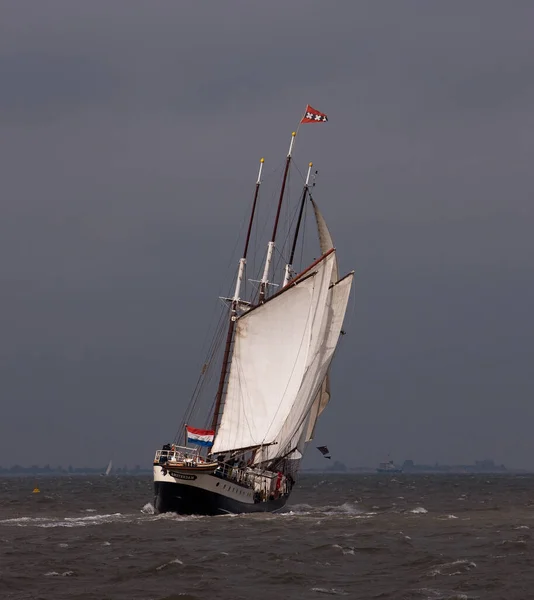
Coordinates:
(176, 561)
(148, 509)
(47, 522)
(436, 594)
(419, 510)
(56, 574)
(456, 567)
(347, 509)
(329, 591)
(345, 550)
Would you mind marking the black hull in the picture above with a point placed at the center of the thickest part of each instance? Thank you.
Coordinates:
(187, 500)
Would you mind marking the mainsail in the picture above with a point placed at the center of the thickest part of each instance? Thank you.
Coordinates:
(274, 346)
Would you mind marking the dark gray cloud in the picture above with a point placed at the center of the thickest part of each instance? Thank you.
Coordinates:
(130, 134)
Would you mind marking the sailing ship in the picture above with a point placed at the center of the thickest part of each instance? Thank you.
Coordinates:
(273, 383)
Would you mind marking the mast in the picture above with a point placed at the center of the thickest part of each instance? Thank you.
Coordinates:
(289, 265)
(270, 247)
(233, 308)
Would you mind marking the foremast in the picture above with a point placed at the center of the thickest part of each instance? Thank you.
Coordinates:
(233, 308)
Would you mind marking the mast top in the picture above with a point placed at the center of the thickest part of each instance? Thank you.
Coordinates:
(293, 134)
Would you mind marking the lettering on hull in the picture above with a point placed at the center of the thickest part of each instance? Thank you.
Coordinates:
(184, 476)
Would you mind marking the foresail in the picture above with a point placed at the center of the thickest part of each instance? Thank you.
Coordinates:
(320, 357)
(323, 395)
(271, 354)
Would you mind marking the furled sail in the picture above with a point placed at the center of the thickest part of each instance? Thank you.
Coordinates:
(273, 347)
(319, 359)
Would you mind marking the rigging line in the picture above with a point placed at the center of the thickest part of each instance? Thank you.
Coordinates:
(279, 251)
(303, 236)
(194, 395)
(204, 375)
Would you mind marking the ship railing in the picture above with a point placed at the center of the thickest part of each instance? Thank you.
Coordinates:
(177, 454)
(243, 474)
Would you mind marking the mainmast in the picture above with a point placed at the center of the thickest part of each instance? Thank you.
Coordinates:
(270, 247)
(233, 308)
(289, 266)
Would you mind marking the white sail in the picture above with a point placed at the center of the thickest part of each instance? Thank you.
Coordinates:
(320, 357)
(270, 359)
(325, 239)
(109, 467)
(319, 404)
(323, 395)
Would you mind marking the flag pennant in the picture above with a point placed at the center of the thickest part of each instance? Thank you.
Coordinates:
(324, 451)
(313, 116)
(200, 437)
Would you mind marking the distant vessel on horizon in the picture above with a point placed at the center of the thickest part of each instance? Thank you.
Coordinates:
(109, 467)
(388, 467)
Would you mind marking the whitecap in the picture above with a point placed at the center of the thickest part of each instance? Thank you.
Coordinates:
(148, 509)
(330, 591)
(456, 567)
(176, 561)
(419, 510)
(48, 522)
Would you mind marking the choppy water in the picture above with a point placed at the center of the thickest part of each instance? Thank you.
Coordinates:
(362, 537)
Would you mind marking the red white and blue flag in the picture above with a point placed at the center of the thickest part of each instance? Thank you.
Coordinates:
(200, 437)
(313, 116)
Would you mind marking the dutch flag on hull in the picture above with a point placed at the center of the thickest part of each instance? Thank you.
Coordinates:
(200, 437)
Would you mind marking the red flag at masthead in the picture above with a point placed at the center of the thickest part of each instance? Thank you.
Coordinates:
(313, 116)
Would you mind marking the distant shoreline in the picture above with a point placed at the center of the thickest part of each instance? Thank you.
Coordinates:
(348, 472)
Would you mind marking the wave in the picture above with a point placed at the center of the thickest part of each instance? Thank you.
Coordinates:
(46, 522)
(456, 567)
(436, 594)
(346, 509)
(329, 591)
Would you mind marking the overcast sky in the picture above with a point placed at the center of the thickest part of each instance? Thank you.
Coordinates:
(130, 133)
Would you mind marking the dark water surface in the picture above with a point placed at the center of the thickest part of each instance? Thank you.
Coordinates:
(401, 537)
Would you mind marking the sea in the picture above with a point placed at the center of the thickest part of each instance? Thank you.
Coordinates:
(401, 537)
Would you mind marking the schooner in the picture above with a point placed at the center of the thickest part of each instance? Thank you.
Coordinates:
(273, 383)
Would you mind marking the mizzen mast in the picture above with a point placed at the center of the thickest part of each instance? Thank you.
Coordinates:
(270, 247)
(233, 308)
